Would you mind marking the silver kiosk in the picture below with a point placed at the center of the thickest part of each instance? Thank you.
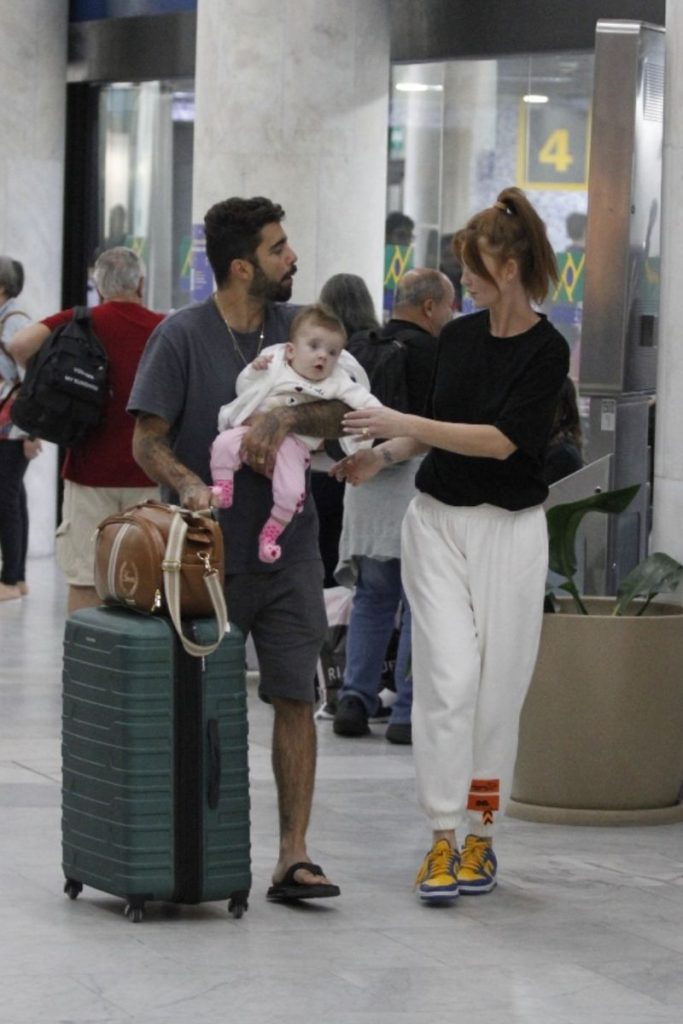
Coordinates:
(621, 297)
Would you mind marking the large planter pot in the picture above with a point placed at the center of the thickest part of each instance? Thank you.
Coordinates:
(601, 732)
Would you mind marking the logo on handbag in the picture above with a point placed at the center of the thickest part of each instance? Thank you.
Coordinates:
(129, 580)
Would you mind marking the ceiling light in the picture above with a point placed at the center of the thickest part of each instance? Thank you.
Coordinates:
(534, 98)
(417, 87)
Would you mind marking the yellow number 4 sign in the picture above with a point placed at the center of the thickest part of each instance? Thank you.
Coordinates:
(555, 151)
(552, 150)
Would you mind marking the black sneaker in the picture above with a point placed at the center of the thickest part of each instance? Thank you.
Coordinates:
(327, 710)
(351, 718)
(381, 715)
(400, 732)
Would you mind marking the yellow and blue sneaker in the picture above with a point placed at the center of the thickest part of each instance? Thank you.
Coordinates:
(478, 865)
(437, 878)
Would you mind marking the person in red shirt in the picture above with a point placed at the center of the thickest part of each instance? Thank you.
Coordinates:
(100, 475)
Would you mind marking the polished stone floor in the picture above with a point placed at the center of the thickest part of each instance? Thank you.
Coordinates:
(585, 927)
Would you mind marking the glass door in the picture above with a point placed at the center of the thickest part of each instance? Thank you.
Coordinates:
(460, 131)
(145, 181)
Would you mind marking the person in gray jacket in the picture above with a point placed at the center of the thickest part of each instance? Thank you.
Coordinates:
(370, 544)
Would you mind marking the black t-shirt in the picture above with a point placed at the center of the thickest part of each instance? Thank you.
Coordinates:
(511, 383)
(420, 348)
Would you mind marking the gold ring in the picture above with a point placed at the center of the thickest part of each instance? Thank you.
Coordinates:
(365, 432)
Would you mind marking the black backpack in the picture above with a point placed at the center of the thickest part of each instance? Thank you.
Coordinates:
(384, 361)
(63, 394)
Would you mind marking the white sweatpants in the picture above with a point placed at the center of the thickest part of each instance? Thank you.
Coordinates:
(475, 580)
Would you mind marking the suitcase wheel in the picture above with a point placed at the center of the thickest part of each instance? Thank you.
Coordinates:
(72, 888)
(238, 904)
(134, 912)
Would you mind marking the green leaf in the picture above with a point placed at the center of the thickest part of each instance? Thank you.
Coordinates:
(656, 574)
(564, 521)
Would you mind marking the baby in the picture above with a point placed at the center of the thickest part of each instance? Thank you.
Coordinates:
(310, 367)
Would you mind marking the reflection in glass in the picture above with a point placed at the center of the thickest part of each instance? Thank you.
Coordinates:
(145, 199)
(460, 131)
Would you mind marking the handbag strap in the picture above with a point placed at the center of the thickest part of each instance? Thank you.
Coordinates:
(10, 394)
(3, 321)
(171, 570)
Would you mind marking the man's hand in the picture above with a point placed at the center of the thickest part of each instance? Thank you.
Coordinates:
(268, 430)
(266, 433)
(197, 497)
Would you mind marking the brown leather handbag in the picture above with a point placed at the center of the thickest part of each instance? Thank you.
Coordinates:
(163, 560)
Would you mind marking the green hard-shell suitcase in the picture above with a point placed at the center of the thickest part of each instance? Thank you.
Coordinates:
(155, 790)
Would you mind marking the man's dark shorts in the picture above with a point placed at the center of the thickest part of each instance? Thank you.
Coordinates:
(284, 611)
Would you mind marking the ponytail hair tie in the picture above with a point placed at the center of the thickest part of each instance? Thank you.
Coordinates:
(502, 206)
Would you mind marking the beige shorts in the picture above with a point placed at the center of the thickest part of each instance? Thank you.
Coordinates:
(83, 509)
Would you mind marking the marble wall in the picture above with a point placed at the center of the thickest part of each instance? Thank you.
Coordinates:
(291, 103)
(33, 47)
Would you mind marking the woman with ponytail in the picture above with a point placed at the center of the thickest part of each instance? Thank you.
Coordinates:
(474, 543)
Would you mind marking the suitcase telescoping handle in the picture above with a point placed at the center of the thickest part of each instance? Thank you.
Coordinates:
(214, 750)
(171, 570)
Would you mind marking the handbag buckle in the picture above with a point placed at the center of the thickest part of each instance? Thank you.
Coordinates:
(170, 566)
(203, 557)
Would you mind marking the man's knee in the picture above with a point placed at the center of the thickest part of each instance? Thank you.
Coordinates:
(296, 716)
(286, 708)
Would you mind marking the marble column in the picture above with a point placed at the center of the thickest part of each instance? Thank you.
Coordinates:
(668, 490)
(471, 104)
(291, 103)
(33, 51)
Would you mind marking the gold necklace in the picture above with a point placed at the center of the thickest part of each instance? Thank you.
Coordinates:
(235, 343)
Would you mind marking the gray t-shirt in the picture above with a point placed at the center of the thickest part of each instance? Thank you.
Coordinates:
(187, 371)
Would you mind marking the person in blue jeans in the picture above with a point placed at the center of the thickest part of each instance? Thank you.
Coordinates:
(369, 548)
(374, 615)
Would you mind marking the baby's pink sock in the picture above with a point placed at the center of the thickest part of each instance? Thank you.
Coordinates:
(268, 548)
(223, 491)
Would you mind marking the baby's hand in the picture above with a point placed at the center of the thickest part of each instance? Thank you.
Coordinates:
(261, 362)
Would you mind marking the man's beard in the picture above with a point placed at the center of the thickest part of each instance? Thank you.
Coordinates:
(262, 287)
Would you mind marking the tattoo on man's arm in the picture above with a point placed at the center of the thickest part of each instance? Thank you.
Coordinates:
(152, 451)
(319, 419)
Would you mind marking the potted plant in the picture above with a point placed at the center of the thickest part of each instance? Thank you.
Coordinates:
(601, 731)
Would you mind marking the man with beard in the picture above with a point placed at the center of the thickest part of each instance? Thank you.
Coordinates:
(187, 371)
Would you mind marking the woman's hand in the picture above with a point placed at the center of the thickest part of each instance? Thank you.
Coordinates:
(377, 421)
(359, 467)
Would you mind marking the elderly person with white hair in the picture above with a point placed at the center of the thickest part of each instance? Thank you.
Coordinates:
(100, 475)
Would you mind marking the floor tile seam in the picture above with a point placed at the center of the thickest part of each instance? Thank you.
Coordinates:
(35, 771)
(96, 990)
(158, 1007)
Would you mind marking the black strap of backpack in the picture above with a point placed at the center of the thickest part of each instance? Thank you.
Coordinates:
(84, 313)
(403, 332)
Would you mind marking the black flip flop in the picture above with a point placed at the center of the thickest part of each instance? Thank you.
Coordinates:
(288, 890)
